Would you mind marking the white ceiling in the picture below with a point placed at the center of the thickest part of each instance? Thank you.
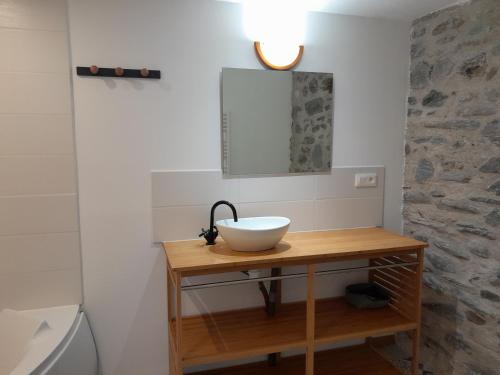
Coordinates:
(406, 10)
(397, 9)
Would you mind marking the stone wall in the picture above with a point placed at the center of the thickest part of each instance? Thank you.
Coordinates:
(452, 183)
(312, 114)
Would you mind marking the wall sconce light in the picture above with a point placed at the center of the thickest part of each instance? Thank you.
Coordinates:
(269, 64)
(278, 44)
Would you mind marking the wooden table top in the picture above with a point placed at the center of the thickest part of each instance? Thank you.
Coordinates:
(194, 256)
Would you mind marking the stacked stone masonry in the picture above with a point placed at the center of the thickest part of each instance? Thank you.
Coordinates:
(452, 183)
(312, 127)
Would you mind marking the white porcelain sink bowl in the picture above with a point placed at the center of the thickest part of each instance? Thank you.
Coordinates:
(253, 233)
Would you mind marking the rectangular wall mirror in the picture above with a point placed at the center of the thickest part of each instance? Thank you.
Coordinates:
(276, 122)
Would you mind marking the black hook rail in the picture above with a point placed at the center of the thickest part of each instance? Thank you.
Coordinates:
(117, 72)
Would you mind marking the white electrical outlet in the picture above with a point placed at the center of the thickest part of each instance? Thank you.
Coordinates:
(365, 180)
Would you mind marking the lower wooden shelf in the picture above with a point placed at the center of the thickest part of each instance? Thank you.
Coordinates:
(250, 332)
(354, 360)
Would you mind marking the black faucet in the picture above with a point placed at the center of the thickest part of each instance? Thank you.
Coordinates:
(212, 233)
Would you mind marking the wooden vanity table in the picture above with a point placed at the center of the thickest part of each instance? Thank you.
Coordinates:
(394, 262)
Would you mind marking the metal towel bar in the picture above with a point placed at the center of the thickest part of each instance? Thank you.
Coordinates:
(291, 276)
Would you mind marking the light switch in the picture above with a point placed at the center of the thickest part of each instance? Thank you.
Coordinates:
(365, 180)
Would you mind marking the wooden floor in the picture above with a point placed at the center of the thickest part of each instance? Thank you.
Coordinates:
(250, 332)
(357, 360)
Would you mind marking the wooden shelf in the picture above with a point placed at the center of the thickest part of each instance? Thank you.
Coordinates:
(242, 333)
(354, 360)
(194, 257)
(250, 332)
(337, 321)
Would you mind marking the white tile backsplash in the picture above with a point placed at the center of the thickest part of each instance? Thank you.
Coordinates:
(348, 213)
(182, 200)
(340, 183)
(192, 188)
(179, 222)
(301, 213)
(184, 222)
(274, 189)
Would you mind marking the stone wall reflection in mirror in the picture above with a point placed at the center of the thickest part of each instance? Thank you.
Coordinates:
(276, 122)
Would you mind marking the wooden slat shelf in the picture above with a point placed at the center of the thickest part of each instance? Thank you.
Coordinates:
(237, 334)
(354, 360)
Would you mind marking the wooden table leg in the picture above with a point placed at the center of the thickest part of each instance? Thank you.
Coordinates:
(273, 306)
(310, 319)
(171, 360)
(178, 319)
(418, 314)
(170, 315)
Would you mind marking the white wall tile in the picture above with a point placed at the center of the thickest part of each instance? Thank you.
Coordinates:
(40, 289)
(35, 51)
(192, 188)
(44, 252)
(301, 213)
(340, 183)
(182, 200)
(348, 213)
(269, 189)
(38, 214)
(39, 239)
(35, 93)
(36, 134)
(184, 222)
(34, 14)
(22, 175)
(6, 46)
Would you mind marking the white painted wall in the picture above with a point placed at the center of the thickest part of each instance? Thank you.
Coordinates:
(126, 128)
(258, 110)
(39, 239)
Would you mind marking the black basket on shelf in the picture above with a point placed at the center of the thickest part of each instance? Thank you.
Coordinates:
(367, 296)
